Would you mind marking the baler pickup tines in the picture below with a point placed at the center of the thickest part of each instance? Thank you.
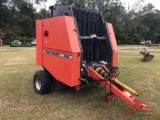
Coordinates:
(119, 89)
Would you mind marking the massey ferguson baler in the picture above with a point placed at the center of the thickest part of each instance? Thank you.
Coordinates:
(78, 49)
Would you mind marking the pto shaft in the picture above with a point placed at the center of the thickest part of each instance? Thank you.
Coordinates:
(124, 86)
(104, 74)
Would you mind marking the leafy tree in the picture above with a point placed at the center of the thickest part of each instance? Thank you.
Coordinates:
(26, 19)
(43, 13)
(137, 22)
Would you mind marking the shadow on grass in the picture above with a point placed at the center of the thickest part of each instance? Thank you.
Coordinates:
(84, 92)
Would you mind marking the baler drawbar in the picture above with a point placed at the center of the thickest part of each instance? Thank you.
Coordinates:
(77, 48)
(117, 88)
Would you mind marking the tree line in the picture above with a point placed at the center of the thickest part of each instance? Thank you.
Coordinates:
(131, 23)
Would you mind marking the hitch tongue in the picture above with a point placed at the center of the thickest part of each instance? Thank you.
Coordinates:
(139, 105)
(118, 88)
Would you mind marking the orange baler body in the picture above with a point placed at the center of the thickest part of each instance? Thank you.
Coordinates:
(113, 44)
(76, 48)
(58, 49)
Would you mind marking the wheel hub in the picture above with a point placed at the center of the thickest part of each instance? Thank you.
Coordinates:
(38, 83)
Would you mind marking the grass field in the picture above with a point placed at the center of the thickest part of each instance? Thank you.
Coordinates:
(18, 101)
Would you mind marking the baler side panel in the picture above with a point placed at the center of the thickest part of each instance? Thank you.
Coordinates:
(61, 56)
(59, 35)
(61, 68)
(113, 43)
(39, 40)
(72, 35)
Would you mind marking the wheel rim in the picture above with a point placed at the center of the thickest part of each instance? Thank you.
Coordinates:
(38, 83)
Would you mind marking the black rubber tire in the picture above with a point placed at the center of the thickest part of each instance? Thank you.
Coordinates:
(57, 84)
(42, 77)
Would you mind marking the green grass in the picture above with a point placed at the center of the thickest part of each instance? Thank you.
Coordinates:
(18, 100)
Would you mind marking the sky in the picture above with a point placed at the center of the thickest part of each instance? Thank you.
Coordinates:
(156, 3)
(50, 3)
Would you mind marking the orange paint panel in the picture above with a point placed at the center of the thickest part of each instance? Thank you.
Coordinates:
(72, 34)
(113, 43)
(61, 34)
(63, 69)
(115, 58)
(39, 42)
(61, 49)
